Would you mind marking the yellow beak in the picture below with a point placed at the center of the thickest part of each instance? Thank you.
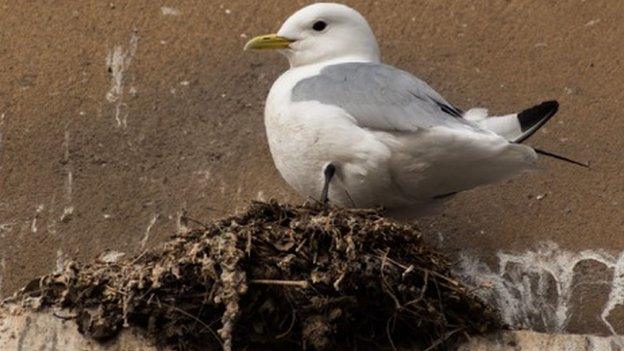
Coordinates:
(268, 42)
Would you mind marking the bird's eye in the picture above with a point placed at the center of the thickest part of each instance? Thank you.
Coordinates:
(319, 26)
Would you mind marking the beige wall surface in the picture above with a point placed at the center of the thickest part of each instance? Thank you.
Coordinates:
(117, 115)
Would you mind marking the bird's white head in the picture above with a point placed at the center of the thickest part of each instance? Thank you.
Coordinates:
(322, 32)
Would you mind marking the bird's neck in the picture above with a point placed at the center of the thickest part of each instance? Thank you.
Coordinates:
(344, 59)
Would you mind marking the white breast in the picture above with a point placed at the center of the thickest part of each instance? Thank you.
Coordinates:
(305, 136)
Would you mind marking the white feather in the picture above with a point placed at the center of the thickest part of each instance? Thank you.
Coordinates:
(476, 114)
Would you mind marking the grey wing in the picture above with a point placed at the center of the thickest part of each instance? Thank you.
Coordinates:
(381, 97)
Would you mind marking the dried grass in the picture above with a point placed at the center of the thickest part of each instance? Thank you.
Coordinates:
(286, 276)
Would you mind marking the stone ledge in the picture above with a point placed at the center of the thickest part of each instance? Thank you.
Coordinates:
(42, 331)
(525, 340)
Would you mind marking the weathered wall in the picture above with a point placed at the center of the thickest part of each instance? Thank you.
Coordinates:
(115, 116)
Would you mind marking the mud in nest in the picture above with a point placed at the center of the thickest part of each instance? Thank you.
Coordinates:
(290, 277)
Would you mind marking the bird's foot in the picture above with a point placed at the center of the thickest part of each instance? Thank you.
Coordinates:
(329, 172)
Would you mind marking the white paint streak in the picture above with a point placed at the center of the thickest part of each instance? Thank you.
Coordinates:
(522, 286)
(61, 260)
(260, 196)
(1, 124)
(170, 11)
(33, 225)
(147, 230)
(66, 146)
(616, 296)
(592, 22)
(69, 182)
(118, 61)
(2, 270)
(51, 222)
(111, 256)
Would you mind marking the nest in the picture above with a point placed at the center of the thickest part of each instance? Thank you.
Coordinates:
(303, 277)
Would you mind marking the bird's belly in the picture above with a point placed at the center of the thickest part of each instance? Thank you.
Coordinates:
(301, 151)
(300, 164)
(353, 185)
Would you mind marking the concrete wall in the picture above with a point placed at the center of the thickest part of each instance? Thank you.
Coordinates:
(117, 115)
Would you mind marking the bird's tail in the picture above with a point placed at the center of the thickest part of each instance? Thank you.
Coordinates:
(518, 127)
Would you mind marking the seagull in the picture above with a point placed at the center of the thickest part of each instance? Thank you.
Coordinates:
(344, 127)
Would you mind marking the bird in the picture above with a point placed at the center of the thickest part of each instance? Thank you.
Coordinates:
(344, 127)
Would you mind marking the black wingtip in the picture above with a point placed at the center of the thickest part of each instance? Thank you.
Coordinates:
(533, 118)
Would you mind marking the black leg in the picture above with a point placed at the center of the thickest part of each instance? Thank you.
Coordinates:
(329, 172)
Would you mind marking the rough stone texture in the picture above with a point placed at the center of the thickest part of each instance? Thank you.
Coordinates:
(530, 341)
(42, 331)
(117, 115)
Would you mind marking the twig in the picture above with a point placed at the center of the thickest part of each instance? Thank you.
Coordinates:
(443, 339)
(331, 301)
(206, 326)
(481, 286)
(449, 280)
(338, 281)
(385, 284)
(407, 271)
(303, 242)
(440, 302)
(422, 291)
(198, 222)
(248, 244)
(65, 318)
(452, 284)
(350, 199)
(292, 324)
(297, 283)
(108, 287)
(136, 259)
(389, 334)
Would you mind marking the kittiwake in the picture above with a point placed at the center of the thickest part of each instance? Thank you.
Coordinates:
(343, 126)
